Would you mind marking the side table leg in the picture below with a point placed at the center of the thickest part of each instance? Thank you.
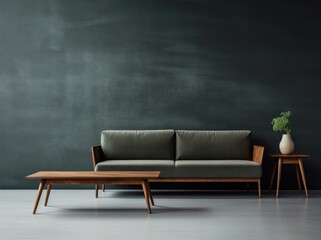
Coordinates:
(41, 185)
(273, 175)
(303, 178)
(47, 193)
(298, 176)
(279, 177)
(146, 193)
(103, 186)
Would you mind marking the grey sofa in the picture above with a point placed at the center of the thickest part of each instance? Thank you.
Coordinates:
(181, 155)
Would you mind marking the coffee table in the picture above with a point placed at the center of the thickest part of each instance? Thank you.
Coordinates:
(111, 177)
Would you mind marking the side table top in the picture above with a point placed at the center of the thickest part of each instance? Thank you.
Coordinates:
(279, 155)
(94, 175)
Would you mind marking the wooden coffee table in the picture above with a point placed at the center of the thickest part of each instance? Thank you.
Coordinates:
(112, 177)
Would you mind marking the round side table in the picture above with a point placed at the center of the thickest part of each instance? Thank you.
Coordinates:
(295, 159)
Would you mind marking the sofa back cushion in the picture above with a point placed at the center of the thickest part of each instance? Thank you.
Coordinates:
(211, 145)
(143, 144)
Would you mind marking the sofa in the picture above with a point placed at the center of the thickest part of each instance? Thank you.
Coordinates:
(182, 155)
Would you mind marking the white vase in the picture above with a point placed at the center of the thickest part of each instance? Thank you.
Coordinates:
(286, 144)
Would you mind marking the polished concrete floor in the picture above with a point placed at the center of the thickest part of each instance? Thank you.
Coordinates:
(179, 215)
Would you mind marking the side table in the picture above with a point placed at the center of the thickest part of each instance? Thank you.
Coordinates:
(295, 159)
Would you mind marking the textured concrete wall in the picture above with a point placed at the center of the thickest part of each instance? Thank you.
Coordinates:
(69, 69)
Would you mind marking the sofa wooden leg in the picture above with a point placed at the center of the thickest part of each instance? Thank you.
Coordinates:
(259, 187)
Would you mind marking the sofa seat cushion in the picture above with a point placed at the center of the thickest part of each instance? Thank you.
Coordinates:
(166, 167)
(217, 169)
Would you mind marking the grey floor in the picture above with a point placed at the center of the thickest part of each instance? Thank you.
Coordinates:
(197, 215)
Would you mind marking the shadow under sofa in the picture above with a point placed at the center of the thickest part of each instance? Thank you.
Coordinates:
(182, 155)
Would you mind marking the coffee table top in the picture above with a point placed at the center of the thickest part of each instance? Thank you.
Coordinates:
(94, 175)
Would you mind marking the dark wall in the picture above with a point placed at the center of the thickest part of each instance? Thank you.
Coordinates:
(69, 69)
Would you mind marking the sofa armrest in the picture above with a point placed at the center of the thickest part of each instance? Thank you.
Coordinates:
(258, 154)
(97, 155)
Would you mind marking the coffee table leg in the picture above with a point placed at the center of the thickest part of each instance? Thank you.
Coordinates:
(150, 194)
(47, 193)
(41, 185)
(103, 187)
(96, 190)
(146, 193)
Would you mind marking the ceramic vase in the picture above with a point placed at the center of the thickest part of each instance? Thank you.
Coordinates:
(286, 144)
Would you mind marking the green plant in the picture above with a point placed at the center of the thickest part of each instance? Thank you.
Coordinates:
(282, 123)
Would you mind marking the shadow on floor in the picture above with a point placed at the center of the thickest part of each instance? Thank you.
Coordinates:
(122, 212)
(181, 194)
(195, 194)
